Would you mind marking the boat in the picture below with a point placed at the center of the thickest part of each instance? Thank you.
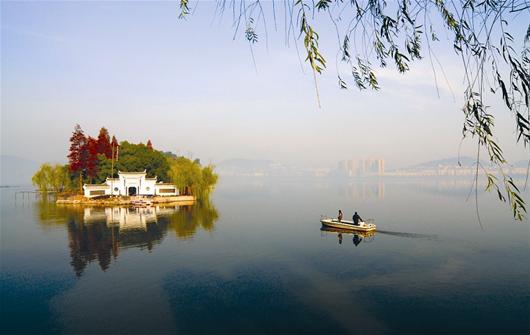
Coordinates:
(348, 225)
(141, 203)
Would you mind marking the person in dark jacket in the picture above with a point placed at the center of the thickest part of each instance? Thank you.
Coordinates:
(356, 219)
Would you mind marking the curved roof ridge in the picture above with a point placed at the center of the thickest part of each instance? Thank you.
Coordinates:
(132, 172)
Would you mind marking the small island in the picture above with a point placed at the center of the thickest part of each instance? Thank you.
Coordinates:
(103, 172)
(130, 188)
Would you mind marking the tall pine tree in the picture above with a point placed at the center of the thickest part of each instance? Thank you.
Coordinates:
(78, 154)
(103, 143)
(92, 158)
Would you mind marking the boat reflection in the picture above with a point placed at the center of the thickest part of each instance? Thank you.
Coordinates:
(101, 233)
(358, 236)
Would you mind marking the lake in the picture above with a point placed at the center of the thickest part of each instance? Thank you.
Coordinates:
(255, 260)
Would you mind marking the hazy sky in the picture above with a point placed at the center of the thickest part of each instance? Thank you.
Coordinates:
(136, 69)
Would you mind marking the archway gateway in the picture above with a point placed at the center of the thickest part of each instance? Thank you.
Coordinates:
(131, 184)
(132, 191)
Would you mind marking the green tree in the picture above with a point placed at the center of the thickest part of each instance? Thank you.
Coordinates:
(191, 178)
(104, 169)
(52, 178)
(209, 179)
(137, 157)
(495, 56)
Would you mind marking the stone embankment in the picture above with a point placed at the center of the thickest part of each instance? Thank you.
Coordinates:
(124, 201)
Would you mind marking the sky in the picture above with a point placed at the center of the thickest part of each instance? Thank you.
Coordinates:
(191, 88)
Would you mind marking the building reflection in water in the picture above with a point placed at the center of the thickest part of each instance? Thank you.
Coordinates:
(363, 190)
(100, 234)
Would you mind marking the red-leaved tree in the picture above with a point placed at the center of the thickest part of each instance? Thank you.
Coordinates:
(78, 154)
(92, 159)
(103, 143)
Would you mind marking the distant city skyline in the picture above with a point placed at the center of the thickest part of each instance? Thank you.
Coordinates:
(190, 88)
(362, 167)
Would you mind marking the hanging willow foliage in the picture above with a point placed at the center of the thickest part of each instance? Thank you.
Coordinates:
(402, 31)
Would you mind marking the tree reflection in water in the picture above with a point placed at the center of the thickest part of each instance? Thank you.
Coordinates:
(99, 233)
(188, 219)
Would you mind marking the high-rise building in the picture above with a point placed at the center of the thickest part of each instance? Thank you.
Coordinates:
(362, 167)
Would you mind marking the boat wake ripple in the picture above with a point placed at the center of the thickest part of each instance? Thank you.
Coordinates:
(409, 235)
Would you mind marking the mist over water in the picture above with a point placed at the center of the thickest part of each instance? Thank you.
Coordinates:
(255, 260)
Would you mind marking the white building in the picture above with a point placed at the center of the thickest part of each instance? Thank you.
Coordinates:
(362, 167)
(129, 184)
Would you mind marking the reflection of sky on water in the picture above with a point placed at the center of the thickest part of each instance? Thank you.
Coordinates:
(268, 267)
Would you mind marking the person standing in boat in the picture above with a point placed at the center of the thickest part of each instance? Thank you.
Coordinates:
(340, 216)
(356, 219)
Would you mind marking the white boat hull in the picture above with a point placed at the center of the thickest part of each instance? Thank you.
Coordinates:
(348, 225)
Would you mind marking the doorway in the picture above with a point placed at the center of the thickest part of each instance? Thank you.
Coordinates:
(132, 191)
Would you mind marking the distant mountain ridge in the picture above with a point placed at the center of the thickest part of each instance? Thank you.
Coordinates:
(247, 167)
(463, 166)
(245, 163)
(521, 164)
(464, 161)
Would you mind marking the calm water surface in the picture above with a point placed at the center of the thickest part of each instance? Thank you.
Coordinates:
(255, 260)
